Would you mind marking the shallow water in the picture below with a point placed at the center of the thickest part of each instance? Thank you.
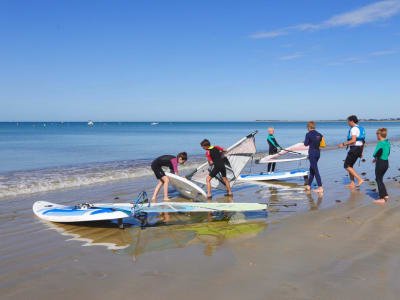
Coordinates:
(40, 157)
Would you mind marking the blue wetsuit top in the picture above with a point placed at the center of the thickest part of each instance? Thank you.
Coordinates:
(313, 139)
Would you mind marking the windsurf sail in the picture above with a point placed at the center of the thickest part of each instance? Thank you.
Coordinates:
(236, 158)
(293, 153)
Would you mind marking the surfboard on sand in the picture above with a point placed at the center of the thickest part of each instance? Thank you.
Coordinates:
(111, 211)
(186, 188)
(274, 176)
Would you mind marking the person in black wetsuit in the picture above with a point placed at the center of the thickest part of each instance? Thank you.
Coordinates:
(274, 148)
(314, 140)
(217, 161)
(171, 162)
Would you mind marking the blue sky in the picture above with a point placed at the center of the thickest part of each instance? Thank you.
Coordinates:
(199, 60)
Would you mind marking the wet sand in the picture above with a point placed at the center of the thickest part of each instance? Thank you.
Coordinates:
(339, 246)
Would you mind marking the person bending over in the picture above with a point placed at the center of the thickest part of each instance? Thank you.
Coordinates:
(171, 162)
(215, 156)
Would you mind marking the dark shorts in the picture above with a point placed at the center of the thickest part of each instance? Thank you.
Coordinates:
(218, 169)
(354, 153)
(158, 171)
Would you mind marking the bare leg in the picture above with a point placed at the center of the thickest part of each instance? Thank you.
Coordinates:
(353, 174)
(166, 181)
(319, 190)
(209, 186)
(228, 186)
(156, 190)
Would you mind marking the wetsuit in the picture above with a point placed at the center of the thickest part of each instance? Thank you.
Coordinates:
(381, 154)
(169, 161)
(273, 149)
(313, 140)
(216, 159)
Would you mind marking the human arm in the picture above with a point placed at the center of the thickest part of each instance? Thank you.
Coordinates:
(272, 141)
(174, 166)
(307, 140)
(352, 141)
(209, 158)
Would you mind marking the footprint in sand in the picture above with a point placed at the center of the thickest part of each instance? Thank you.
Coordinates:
(324, 235)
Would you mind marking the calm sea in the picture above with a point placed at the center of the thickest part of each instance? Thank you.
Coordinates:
(43, 156)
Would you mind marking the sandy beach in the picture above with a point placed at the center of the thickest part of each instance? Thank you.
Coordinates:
(338, 246)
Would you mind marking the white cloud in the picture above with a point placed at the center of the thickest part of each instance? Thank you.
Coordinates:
(269, 34)
(290, 57)
(349, 60)
(384, 52)
(374, 12)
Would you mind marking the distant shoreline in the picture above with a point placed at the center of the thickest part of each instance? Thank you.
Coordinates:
(256, 121)
(338, 121)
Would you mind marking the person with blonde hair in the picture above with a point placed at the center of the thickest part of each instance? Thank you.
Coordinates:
(381, 160)
(314, 140)
(274, 148)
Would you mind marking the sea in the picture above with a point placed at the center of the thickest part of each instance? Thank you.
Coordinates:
(49, 156)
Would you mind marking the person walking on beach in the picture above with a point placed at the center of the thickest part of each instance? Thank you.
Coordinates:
(274, 148)
(356, 141)
(171, 162)
(381, 160)
(215, 156)
(314, 140)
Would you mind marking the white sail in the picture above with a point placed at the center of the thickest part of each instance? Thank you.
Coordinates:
(293, 153)
(237, 156)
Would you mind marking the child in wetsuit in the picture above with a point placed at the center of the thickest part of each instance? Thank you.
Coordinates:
(381, 159)
(217, 161)
(171, 162)
(314, 140)
(273, 148)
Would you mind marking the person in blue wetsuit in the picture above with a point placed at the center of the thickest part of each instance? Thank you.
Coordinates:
(314, 140)
(273, 148)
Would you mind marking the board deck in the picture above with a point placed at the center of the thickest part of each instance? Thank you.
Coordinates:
(186, 188)
(111, 211)
(274, 176)
(62, 213)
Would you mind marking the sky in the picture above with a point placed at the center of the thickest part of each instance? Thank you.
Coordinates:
(198, 60)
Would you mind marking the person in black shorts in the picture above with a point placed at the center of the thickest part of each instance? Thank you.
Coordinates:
(355, 141)
(171, 162)
(217, 161)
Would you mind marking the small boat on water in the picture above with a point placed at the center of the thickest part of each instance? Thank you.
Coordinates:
(90, 123)
(154, 123)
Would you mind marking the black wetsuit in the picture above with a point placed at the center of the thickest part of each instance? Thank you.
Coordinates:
(273, 149)
(313, 140)
(216, 158)
(169, 161)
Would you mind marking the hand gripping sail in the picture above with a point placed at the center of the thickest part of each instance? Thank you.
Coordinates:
(236, 158)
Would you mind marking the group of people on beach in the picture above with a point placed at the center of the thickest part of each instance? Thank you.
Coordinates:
(355, 143)
(314, 140)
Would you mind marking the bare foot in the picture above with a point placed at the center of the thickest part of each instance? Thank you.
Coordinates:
(380, 201)
(350, 185)
(386, 197)
(154, 200)
(167, 199)
(307, 187)
(319, 190)
(360, 182)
